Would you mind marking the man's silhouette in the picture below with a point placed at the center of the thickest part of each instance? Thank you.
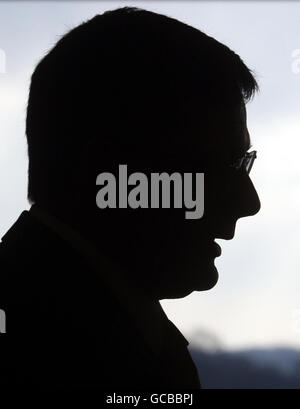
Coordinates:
(81, 285)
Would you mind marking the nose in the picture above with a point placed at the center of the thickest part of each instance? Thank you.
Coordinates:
(248, 200)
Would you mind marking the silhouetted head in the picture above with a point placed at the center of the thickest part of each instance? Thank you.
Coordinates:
(135, 87)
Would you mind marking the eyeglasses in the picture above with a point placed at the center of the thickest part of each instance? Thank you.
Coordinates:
(245, 162)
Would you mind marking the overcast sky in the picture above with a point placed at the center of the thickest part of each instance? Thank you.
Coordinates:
(257, 299)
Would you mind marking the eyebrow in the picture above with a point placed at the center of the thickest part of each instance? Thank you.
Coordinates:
(243, 151)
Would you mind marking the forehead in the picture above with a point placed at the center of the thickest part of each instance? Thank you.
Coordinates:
(214, 133)
(227, 134)
(241, 138)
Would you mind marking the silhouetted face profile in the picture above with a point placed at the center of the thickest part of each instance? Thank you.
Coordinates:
(144, 90)
(174, 256)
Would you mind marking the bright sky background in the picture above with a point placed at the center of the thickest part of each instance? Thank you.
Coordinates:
(257, 299)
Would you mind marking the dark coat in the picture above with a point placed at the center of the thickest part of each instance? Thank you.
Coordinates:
(65, 326)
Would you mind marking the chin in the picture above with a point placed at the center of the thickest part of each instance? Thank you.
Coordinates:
(202, 280)
(208, 278)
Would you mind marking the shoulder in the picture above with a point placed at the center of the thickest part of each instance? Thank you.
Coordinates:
(17, 255)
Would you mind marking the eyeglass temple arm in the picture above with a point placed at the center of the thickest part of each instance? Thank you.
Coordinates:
(250, 164)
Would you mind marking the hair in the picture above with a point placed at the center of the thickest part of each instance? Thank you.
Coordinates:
(123, 81)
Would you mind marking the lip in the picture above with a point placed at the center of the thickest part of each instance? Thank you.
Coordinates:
(217, 249)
